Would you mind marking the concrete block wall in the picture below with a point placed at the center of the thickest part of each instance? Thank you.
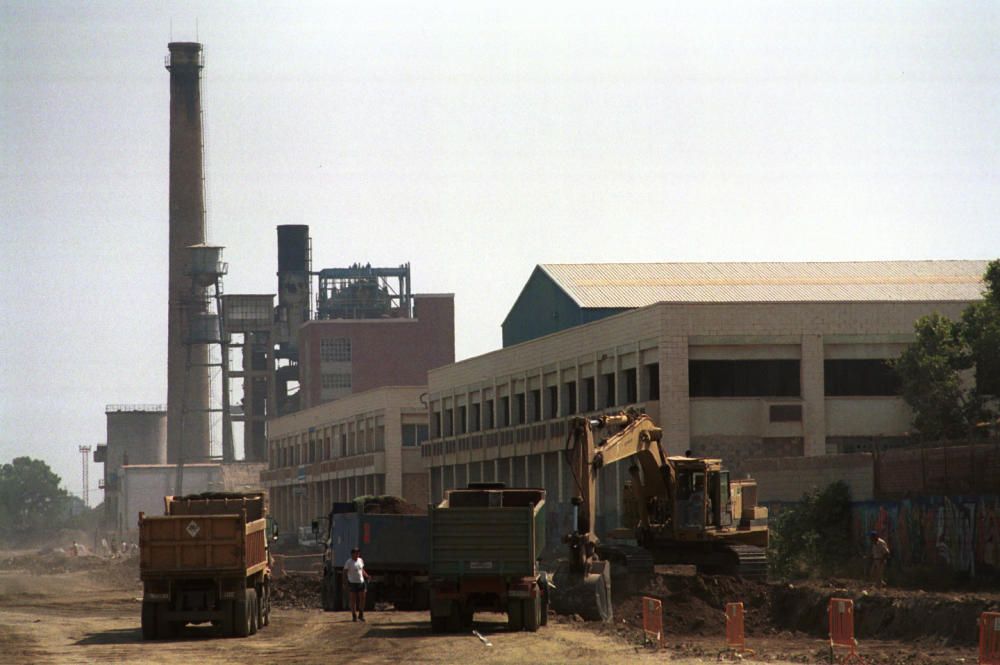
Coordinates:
(788, 478)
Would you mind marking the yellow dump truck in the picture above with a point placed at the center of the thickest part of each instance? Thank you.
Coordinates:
(206, 560)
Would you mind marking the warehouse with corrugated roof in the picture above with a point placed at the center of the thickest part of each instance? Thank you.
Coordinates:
(734, 360)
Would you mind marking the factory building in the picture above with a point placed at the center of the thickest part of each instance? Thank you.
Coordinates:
(734, 360)
(342, 356)
(136, 434)
(364, 443)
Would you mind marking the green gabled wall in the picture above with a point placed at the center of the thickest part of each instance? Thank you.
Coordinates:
(543, 308)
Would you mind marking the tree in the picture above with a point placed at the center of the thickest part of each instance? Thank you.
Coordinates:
(944, 403)
(30, 496)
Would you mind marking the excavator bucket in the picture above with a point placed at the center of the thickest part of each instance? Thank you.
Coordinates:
(588, 595)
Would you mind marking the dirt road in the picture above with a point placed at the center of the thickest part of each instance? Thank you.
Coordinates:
(92, 616)
(76, 618)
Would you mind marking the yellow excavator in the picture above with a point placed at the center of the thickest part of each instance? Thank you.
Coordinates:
(688, 511)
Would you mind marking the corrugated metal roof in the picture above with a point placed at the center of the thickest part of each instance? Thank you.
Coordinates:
(622, 285)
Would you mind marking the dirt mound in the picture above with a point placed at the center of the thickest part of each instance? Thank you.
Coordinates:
(388, 505)
(695, 605)
(885, 614)
(295, 591)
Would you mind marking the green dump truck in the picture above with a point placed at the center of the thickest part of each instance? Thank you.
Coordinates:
(485, 544)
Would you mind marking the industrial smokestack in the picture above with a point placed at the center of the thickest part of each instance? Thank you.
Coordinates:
(187, 371)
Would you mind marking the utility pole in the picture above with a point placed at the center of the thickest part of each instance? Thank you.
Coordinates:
(85, 456)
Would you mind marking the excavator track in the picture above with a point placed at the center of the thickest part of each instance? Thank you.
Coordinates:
(748, 562)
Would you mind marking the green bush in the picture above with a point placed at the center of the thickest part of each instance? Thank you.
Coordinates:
(813, 537)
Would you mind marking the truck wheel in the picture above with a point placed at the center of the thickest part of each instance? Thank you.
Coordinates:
(166, 630)
(439, 624)
(148, 621)
(455, 617)
(253, 609)
(324, 594)
(241, 616)
(544, 619)
(515, 614)
(421, 598)
(337, 594)
(264, 615)
(228, 628)
(532, 613)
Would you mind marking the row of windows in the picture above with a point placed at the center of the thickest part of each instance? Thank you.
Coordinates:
(706, 378)
(781, 378)
(590, 394)
(335, 349)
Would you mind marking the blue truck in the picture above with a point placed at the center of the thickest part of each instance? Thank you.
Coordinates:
(396, 549)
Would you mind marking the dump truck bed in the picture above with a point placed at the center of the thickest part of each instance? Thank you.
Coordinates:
(387, 542)
(487, 533)
(202, 544)
(205, 534)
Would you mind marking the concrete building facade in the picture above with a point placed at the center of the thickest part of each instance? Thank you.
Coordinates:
(364, 443)
(769, 377)
(339, 357)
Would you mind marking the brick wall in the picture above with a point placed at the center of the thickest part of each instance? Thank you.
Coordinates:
(956, 469)
(788, 478)
(736, 451)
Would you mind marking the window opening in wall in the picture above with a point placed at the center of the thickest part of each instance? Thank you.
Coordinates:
(449, 422)
(504, 414)
(536, 406)
(335, 349)
(785, 413)
(652, 372)
(343, 445)
(553, 399)
(519, 409)
(436, 422)
(475, 417)
(570, 403)
(589, 395)
(609, 390)
(488, 421)
(743, 378)
(861, 377)
(414, 435)
(461, 424)
(631, 394)
(332, 380)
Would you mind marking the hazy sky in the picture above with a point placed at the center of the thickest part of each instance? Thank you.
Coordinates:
(474, 140)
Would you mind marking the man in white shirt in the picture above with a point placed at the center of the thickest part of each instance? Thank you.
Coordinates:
(879, 556)
(354, 571)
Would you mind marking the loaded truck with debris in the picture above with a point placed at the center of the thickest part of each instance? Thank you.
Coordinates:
(485, 545)
(395, 544)
(206, 560)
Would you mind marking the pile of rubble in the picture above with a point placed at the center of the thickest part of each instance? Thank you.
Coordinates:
(295, 591)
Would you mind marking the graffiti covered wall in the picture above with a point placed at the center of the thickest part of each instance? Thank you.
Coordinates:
(960, 533)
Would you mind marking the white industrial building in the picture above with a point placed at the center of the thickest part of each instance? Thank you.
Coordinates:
(735, 360)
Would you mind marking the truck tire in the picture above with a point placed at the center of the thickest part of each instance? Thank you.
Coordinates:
(228, 627)
(421, 598)
(148, 620)
(165, 629)
(264, 615)
(339, 597)
(439, 624)
(532, 608)
(543, 591)
(456, 617)
(515, 614)
(253, 610)
(324, 594)
(241, 616)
